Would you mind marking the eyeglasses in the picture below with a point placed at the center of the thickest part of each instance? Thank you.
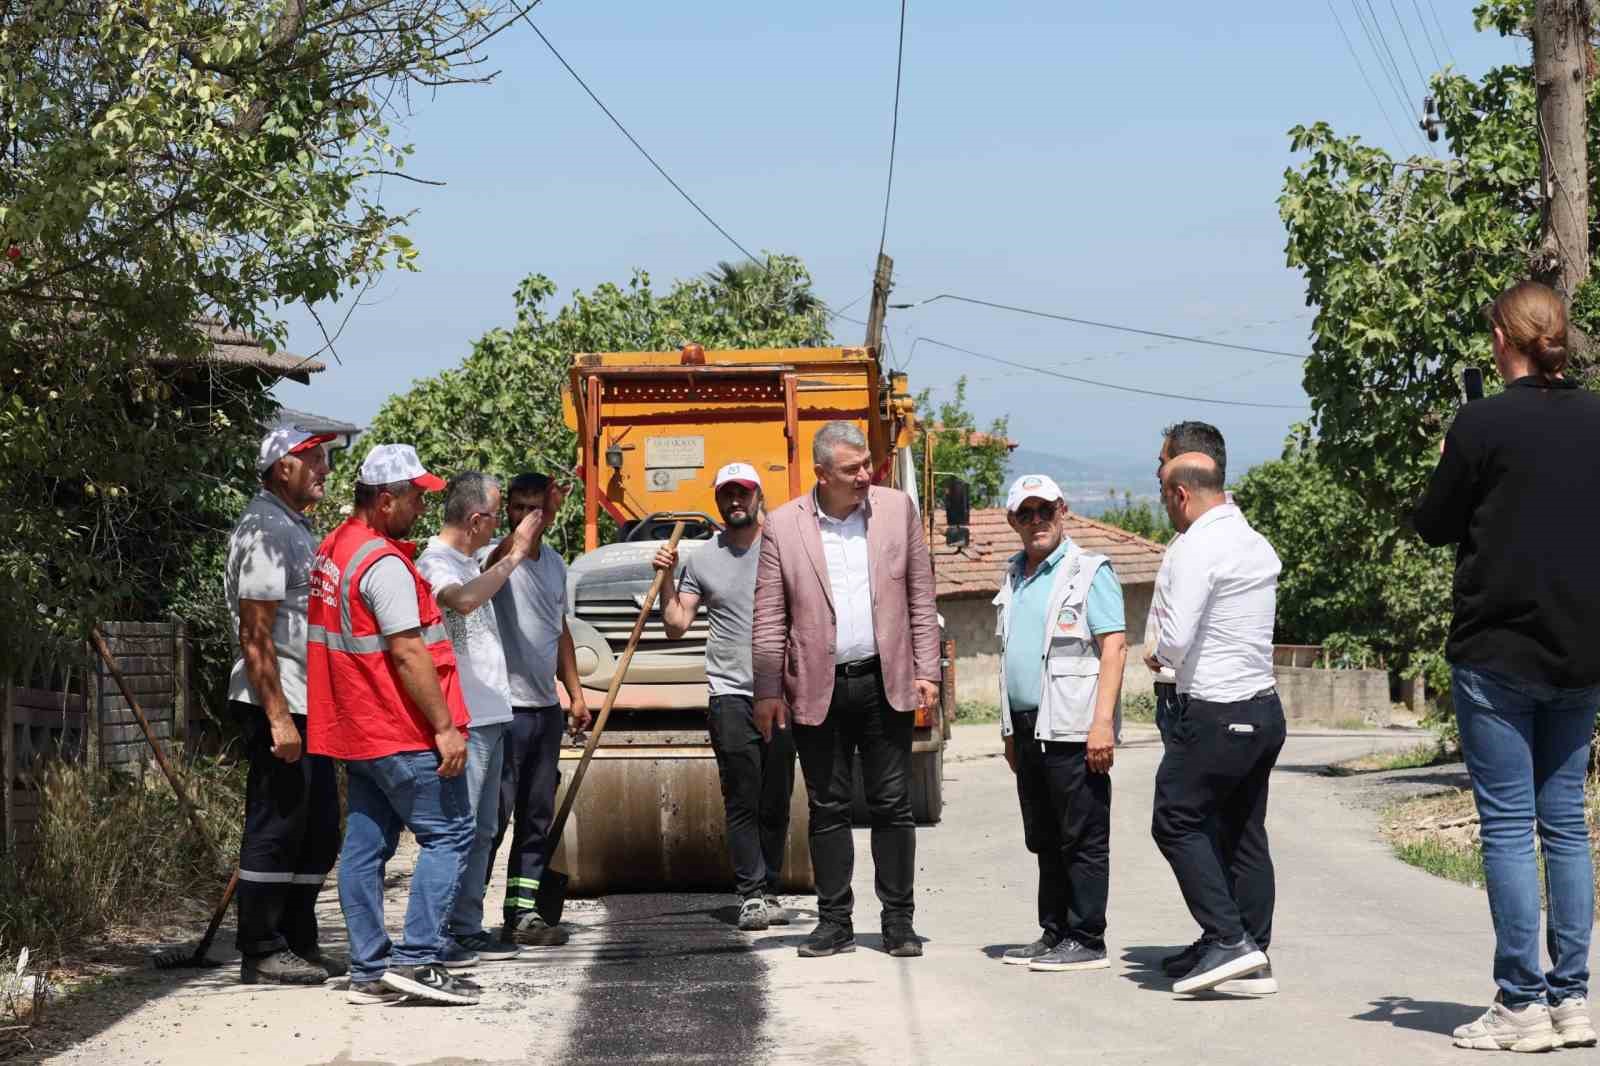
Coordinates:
(1029, 515)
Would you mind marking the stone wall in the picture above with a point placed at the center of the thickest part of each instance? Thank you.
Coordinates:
(1333, 697)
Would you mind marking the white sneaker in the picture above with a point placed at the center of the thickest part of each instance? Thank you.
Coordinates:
(1503, 1029)
(1571, 1020)
(1260, 983)
(753, 915)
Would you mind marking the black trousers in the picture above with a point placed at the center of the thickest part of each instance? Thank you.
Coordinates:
(1066, 822)
(860, 720)
(528, 781)
(757, 779)
(1211, 813)
(291, 840)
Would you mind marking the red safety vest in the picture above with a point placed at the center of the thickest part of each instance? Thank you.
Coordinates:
(356, 707)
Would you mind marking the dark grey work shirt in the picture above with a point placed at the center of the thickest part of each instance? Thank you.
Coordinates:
(725, 580)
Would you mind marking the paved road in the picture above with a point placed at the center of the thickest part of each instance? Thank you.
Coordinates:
(1378, 961)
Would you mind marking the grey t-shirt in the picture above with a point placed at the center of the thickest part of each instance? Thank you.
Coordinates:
(725, 580)
(269, 558)
(480, 657)
(391, 595)
(531, 608)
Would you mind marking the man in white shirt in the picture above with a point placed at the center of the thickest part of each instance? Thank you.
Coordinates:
(1219, 594)
(471, 513)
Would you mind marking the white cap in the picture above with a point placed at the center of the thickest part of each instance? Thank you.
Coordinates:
(738, 474)
(287, 440)
(1032, 487)
(387, 463)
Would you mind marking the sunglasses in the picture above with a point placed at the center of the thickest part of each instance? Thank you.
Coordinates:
(1029, 515)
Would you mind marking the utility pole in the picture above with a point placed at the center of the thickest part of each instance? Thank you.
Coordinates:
(881, 284)
(1561, 57)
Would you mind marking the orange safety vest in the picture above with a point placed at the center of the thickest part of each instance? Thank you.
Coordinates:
(356, 707)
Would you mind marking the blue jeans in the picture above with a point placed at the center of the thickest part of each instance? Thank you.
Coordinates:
(384, 795)
(486, 752)
(1527, 747)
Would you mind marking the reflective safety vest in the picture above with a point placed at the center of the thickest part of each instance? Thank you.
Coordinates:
(356, 706)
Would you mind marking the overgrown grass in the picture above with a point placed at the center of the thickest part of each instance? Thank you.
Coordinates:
(1140, 708)
(1457, 863)
(115, 848)
(976, 712)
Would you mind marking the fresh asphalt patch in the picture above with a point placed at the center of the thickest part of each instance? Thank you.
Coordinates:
(671, 979)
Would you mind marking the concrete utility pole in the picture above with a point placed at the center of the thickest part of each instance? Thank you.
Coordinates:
(881, 284)
(1561, 56)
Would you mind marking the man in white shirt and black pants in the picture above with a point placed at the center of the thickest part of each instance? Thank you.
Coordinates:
(1220, 595)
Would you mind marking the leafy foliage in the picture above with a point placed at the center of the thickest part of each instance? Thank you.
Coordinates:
(167, 161)
(1399, 257)
(962, 450)
(1143, 518)
(500, 410)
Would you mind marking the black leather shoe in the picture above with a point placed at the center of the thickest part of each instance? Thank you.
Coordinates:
(829, 938)
(902, 942)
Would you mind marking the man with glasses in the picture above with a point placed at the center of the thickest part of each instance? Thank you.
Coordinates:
(471, 513)
(1064, 643)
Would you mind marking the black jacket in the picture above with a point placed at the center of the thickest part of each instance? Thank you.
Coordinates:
(1518, 492)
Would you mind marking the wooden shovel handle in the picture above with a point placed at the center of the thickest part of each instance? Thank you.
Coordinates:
(599, 726)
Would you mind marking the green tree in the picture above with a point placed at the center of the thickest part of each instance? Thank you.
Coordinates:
(1399, 257)
(1143, 518)
(167, 161)
(961, 449)
(500, 411)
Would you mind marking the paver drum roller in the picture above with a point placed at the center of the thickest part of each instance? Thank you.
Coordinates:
(651, 820)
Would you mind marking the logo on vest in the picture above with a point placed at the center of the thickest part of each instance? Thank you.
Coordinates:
(1067, 619)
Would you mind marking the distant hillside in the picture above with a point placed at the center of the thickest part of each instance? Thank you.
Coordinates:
(1092, 483)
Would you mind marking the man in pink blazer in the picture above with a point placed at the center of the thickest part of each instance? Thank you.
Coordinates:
(846, 648)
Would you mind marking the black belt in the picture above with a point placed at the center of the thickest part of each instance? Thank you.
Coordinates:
(857, 668)
(1272, 690)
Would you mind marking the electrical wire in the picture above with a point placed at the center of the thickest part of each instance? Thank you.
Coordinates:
(1391, 70)
(1106, 384)
(894, 130)
(1103, 325)
(1406, 37)
(1348, 43)
(1451, 52)
(1427, 34)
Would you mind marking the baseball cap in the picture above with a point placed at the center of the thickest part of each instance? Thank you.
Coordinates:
(1032, 487)
(387, 463)
(287, 440)
(738, 474)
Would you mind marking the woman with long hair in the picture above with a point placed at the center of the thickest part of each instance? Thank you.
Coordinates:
(1517, 490)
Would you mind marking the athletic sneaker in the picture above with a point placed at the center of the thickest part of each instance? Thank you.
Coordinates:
(1219, 963)
(1071, 955)
(332, 966)
(529, 928)
(280, 968)
(902, 941)
(372, 993)
(488, 948)
(457, 956)
(753, 914)
(1178, 965)
(431, 984)
(1503, 1029)
(1028, 952)
(828, 938)
(1260, 983)
(777, 913)
(1571, 1019)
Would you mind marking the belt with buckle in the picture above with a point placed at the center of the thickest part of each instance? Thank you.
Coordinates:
(857, 668)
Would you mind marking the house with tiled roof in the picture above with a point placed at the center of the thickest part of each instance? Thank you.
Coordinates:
(969, 576)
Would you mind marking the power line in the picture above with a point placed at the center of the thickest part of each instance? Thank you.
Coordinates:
(1442, 38)
(1427, 34)
(1362, 68)
(894, 130)
(1406, 37)
(635, 142)
(1106, 384)
(1102, 325)
(1390, 73)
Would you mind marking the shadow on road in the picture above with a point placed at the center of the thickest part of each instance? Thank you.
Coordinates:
(1144, 966)
(1423, 1015)
(998, 951)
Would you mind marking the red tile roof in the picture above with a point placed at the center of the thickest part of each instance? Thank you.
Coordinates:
(977, 567)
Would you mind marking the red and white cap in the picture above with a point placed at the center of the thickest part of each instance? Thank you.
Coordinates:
(738, 474)
(287, 440)
(386, 464)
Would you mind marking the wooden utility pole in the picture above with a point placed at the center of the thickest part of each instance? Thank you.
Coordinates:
(1561, 56)
(881, 284)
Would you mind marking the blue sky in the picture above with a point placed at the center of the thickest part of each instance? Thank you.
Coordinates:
(1098, 158)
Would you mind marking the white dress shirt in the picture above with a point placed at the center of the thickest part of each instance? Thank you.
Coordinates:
(1219, 591)
(844, 548)
(1158, 610)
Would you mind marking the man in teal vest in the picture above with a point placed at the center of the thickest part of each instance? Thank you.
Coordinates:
(1064, 642)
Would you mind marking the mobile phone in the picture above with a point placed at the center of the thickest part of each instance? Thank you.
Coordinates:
(1472, 383)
